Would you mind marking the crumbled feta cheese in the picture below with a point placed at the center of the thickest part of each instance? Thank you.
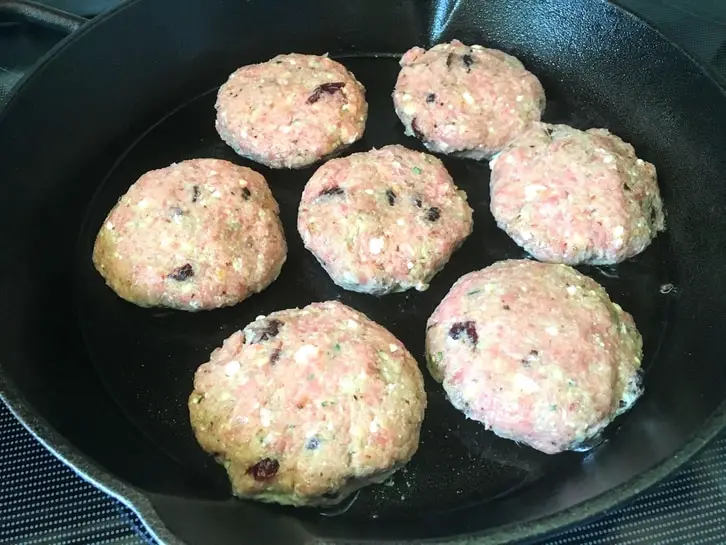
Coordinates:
(304, 353)
(231, 368)
(375, 245)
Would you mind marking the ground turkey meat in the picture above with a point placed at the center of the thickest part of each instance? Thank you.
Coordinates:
(305, 406)
(291, 111)
(537, 352)
(471, 101)
(383, 221)
(575, 197)
(196, 235)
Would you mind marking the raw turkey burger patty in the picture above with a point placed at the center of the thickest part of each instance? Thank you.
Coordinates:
(383, 221)
(471, 101)
(305, 406)
(291, 111)
(537, 352)
(199, 234)
(575, 197)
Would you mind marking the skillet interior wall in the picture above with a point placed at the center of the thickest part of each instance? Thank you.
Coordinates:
(75, 117)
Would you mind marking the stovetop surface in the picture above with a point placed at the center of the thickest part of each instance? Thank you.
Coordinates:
(44, 502)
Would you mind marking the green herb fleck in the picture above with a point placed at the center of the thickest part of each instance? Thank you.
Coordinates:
(311, 376)
(439, 357)
(553, 407)
(571, 382)
(416, 170)
(474, 292)
(324, 404)
(337, 347)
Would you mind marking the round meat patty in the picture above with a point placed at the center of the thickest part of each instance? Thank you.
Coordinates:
(196, 235)
(575, 197)
(305, 406)
(291, 111)
(537, 352)
(383, 221)
(471, 101)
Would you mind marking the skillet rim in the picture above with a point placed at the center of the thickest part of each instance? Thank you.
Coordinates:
(141, 504)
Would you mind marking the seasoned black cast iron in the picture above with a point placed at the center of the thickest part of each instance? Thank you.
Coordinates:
(104, 383)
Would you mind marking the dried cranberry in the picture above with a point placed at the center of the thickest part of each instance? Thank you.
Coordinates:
(264, 469)
(467, 329)
(529, 358)
(335, 190)
(180, 274)
(433, 214)
(262, 330)
(391, 196)
(329, 88)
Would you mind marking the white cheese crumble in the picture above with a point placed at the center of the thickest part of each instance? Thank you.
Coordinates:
(375, 245)
(392, 347)
(467, 98)
(304, 353)
(531, 191)
(551, 330)
(231, 368)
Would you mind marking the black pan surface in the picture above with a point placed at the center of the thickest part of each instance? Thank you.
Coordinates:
(113, 379)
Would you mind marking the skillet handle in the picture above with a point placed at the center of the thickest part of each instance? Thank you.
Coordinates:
(40, 14)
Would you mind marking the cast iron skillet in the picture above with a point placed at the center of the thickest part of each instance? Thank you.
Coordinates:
(104, 384)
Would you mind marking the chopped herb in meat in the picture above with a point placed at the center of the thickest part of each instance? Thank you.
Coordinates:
(431, 97)
(195, 193)
(468, 61)
(246, 193)
(416, 170)
(180, 274)
(325, 88)
(275, 356)
(264, 469)
(449, 60)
